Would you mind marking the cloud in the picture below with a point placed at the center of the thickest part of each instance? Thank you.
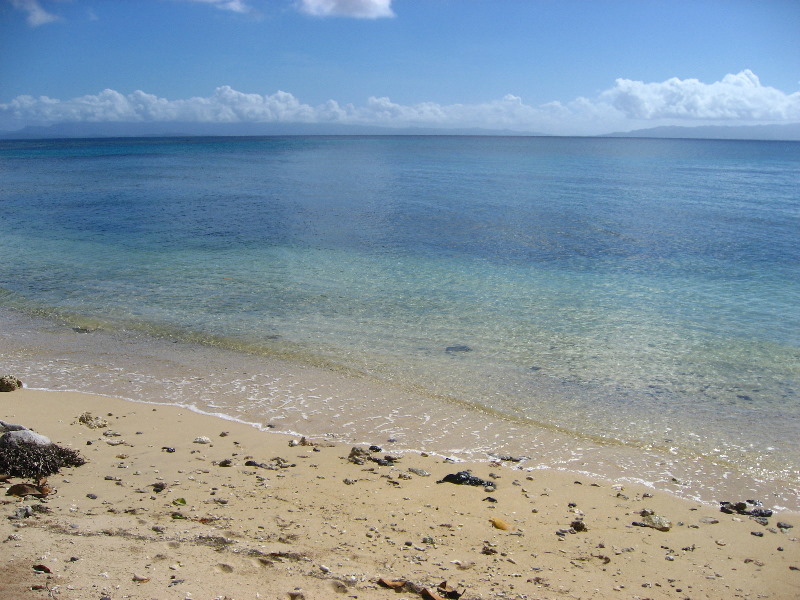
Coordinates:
(239, 6)
(360, 9)
(36, 14)
(736, 99)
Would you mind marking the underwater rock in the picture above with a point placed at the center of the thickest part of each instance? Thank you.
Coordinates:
(458, 348)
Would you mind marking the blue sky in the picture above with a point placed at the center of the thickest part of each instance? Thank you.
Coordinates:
(551, 66)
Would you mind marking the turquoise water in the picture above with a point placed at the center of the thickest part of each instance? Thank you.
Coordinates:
(643, 292)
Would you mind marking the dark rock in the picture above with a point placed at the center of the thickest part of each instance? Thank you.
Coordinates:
(578, 525)
(226, 462)
(375, 449)
(358, 455)
(757, 533)
(784, 525)
(742, 508)
(458, 348)
(464, 478)
(489, 499)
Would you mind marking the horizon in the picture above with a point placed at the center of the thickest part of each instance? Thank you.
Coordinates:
(530, 68)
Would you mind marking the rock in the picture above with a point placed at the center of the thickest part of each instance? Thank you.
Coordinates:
(465, 478)
(358, 455)
(4, 426)
(92, 422)
(420, 472)
(578, 525)
(9, 383)
(202, 440)
(458, 348)
(13, 439)
(650, 519)
(783, 525)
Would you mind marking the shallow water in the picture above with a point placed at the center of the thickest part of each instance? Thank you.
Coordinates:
(640, 295)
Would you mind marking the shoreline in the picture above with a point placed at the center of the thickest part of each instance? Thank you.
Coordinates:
(308, 518)
(307, 400)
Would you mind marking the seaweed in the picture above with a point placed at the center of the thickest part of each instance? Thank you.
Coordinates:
(37, 462)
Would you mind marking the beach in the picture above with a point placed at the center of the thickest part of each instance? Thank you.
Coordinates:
(176, 504)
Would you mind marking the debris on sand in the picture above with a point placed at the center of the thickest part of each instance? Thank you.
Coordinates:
(24, 453)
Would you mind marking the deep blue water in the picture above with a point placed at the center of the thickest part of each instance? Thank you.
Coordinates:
(622, 287)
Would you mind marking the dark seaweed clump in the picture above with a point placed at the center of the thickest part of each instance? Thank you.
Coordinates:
(36, 462)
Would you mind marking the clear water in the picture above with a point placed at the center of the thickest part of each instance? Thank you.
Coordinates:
(641, 294)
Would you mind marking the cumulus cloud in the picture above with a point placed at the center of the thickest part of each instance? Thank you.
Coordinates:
(360, 9)
(736, 99)
(36, 14)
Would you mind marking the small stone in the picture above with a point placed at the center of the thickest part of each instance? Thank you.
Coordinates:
(757, 533)
(202, 440)
(783, 525)
(650, 519)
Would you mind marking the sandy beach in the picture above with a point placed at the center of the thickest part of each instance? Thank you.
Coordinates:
(175, 504)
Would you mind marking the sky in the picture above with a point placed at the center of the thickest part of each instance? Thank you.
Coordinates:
(564, 67)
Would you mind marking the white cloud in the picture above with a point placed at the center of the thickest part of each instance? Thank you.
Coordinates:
(36, 14)
(239, 6)
(360, 9)
(736, 99)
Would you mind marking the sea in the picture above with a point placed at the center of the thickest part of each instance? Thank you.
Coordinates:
(627, 308)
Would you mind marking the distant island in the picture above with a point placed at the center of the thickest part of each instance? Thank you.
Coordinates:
(788, 132)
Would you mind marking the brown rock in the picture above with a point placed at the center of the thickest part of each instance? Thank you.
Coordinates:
(9, 383)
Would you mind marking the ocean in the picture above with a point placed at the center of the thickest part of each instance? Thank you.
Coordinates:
(624, 307)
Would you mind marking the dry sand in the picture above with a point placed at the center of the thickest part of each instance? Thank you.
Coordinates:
(309, 523)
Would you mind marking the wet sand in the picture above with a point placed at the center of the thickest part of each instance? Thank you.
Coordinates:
(140, 520)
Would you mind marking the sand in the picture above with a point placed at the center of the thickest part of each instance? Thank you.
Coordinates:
(155, 514)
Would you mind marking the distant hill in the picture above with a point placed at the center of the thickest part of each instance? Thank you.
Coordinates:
(172, 129)
(789, 132)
